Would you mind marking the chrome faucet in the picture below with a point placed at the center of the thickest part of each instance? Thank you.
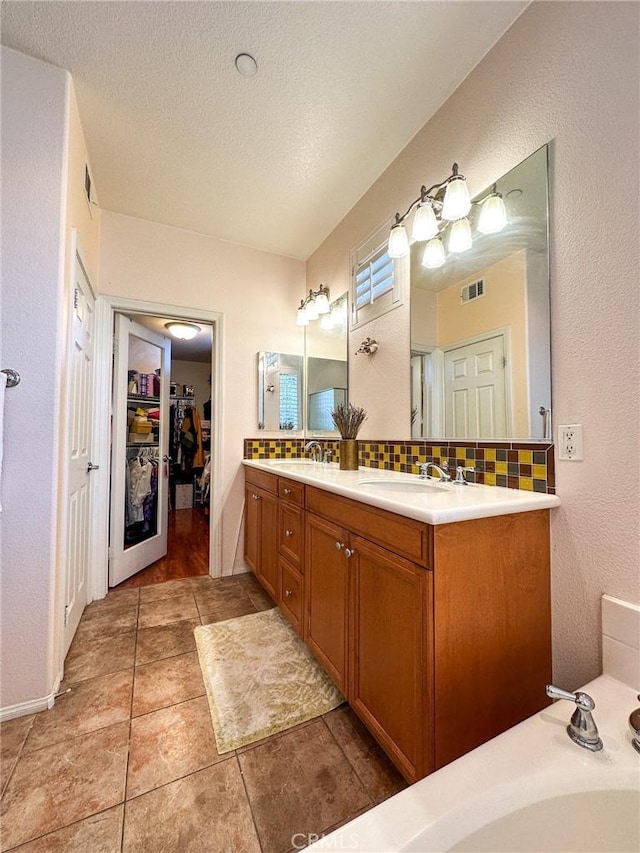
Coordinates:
(582, 728)
(634, 725)
(314, 447)
(460, 480)
(443, 472)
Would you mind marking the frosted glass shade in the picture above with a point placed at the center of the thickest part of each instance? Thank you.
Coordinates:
(493, 216)
(433, 254)
(460, 236)
(301, 316)
(456, 202)
(182, 331)
(311, 310)
(322, 303)
(398, 242)
(425, 224)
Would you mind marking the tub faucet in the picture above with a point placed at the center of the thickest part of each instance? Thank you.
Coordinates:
(634, 725)
(443, 471)
(582, 728)
(314, 447)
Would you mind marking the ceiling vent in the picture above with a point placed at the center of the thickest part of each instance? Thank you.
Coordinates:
(472, 291)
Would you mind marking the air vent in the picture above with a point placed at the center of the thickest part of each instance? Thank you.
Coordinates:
(472, 291)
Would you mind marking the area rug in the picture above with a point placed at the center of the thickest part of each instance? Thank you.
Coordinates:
(260, 678)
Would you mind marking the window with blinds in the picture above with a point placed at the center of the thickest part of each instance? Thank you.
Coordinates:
(375, 287)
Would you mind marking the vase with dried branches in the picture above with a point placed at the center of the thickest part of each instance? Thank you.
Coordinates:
(348, 420)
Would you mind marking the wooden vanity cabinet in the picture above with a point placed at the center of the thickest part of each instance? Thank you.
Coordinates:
(291, 536)
(261, 529)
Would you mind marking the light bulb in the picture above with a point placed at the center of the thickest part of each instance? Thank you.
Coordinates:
(433, 254)
(493, 216)
(425, 224)
(456, 202)
(460, 236)
(398, 242)
(301, 315)
(322, 302)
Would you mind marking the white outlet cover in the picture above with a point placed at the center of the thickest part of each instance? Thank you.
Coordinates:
(570, 442)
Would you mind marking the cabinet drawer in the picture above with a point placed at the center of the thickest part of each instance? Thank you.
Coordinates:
(263, 479)
(291, 491)
(291, 533)
(292, 594)
(404, 536)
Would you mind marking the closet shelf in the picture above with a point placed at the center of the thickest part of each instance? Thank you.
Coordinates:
(142, 398)
(143, 444)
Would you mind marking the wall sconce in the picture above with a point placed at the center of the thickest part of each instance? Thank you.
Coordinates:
(315, 305)
(445, 206)
(367, 347)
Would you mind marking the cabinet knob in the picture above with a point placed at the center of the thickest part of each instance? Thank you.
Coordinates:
(288, 533)
(339, 546)
(288, 592)
(349, 552)
(287, 491)
(255, 497)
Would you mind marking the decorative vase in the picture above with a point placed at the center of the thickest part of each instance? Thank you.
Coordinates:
(348, 454)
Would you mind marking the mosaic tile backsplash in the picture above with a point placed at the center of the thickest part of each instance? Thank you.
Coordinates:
(511, 464)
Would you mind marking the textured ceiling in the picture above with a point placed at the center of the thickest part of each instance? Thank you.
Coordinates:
(274, 161)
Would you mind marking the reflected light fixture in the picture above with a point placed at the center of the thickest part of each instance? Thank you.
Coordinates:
(182, 330)
(445, 206)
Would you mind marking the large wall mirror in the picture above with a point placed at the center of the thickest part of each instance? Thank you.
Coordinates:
(280, 391)
(327, 372)
(480, 328)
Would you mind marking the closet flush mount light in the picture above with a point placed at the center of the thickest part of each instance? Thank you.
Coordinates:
(182, 331)
(246, 65)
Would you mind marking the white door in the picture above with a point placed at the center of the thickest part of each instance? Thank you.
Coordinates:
(475, 390)
(80, 466)
(140, 441)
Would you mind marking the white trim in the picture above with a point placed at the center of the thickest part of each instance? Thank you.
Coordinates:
(31, 706)
(105, 309)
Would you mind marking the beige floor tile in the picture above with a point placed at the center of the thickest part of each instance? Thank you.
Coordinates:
(229, 610)
(170, 743)
(114, 598)
(165, 641)
(166, 682)
(166, 610)
(100, 833)
(91, 705)
(170, 589)
(206, 812)
(260, 599)
(374, 769)
(55, 786)
(106, 621)
(13, 734)
(299, 784)
(89, 658)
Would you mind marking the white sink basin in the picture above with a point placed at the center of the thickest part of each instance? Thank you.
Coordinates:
(419, 486)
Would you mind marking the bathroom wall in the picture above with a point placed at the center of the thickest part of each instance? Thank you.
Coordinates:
(257, 292)
(565, 73)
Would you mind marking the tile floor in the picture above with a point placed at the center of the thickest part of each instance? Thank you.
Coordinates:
(127, 760)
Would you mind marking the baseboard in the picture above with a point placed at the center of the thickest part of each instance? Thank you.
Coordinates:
(32, 706)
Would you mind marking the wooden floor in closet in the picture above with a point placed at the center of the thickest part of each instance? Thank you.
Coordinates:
(187, 551)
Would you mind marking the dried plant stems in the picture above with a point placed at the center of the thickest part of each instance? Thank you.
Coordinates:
(348, 419)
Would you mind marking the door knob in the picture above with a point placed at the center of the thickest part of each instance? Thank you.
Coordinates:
(166, 458)
(92, 467)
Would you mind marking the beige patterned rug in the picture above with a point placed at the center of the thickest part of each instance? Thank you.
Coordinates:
(260, 678)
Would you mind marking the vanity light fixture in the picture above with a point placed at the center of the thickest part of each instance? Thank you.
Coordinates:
(315, 305)
(182, 330)
(445, 205)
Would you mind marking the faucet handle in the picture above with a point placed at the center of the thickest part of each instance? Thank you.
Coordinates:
(582, 728)
(582, 700)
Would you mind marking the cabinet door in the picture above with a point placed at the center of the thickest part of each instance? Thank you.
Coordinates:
(391, 654)
(291, 533)
(326, 597)
(292, 594)
(269, 570)
(252, 527)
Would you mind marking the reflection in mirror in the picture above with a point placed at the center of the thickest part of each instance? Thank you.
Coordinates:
(480, 336)
(280, 391)
(326, 345)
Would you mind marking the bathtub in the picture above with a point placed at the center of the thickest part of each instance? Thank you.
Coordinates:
(530, 789)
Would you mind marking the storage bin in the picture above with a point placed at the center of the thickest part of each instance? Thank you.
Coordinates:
(184, 496)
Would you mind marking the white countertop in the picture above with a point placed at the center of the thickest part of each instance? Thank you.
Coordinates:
(442, 504)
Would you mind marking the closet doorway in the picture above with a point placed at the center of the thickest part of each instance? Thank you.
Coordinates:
(161, 467)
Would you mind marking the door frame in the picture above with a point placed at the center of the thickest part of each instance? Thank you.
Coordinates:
(106, 307)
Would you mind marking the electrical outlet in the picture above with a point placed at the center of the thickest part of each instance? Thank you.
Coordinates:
(570, 442)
